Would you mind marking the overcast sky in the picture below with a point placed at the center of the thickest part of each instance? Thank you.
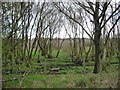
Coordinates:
(63, 31)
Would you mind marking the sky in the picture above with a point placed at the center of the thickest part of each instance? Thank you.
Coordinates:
(63, 31)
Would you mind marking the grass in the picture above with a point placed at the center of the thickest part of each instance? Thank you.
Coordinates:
(67, 81)
(114, 59)
(69, 77)
(62, 54)
(81, 80)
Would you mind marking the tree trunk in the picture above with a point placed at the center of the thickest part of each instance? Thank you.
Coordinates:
(50, 43)
(38, 61)
(97, 39)
(97, 54)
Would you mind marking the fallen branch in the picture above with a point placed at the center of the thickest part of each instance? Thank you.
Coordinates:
(24, 76)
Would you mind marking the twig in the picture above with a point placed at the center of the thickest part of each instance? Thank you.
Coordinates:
(24, 75)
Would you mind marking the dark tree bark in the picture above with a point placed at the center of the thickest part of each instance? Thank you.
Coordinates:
(50, 42)
(97, 39)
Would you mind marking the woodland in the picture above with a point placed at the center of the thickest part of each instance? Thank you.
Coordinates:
(73, 44)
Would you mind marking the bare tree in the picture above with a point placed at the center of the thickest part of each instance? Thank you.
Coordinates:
(97, 12)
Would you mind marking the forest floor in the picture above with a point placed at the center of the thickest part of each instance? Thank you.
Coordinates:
(69, 80)
(69, 75)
